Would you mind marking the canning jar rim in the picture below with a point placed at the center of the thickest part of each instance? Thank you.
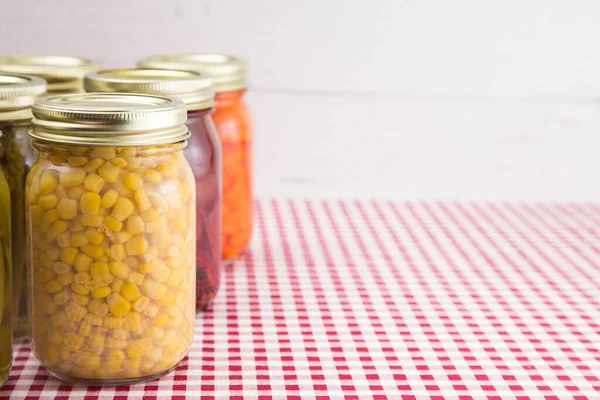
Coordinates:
(194, 88)
(53, 68)
(229, 72)
(109, 119)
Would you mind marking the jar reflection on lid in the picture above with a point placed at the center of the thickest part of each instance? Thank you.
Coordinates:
(17, 95)
(63, 74)
(194, 88)
(109, 119)
(229, 73)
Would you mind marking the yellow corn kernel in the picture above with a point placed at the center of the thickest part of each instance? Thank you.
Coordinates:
(109, 172)
(131, 261)
(48, 201)
(77, 161)
(103, 310)
(91, 221)
(96, 343)
(80, 299)
(158, 201)
(66, 208)
(117, 285)
(75, 192)
(53, 253)
(122, 209)
(120, 237)
(158, 224)
(93, 250)
(76, 226)
(73, 341)
(172, 251)
(161, 239)
(135, 225)
(139, 348)
(133, 181)
(135, 277)
(58, 318)
(93, 164)
(152, 176)
(85, 329)
(94, 236)
(151, 311)
(103, 152)
(94, 284)
(79, 289)
(94, 319)
(66, 279)
(150, 266)
(48, 181)
(93, 183)
(117, 252)
(104, 212)
(130, 292)
(178, 223)
(53, 287)
(75, 312)
(160, 320)
(114, 360)
(109, 198)
(136, 246)
(49, 218)
(63, 240)
(132, 321)
(134, 162)
(175, 279)
(90, 203)
(61, 267)
(118, 306)
(101, 272)
(149, 215)
(55, 337)
(72, 177)
(48, 306)
(149, 255)
(67, 255)
(78, 239)
(152, 289)
(36, 213)
(112, 224)
(119, 269)
(141, 303)
(119, 162)
(56, 229)
(168, 298)
(101, 292)
(82, 262)
(61, 297)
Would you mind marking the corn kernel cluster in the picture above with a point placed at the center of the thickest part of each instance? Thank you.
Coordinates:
(112, 245)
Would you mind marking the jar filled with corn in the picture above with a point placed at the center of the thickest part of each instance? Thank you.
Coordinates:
(111, 229)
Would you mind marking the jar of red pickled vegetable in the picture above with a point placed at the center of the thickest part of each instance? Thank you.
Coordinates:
(63, 74)
(111, 231)
(234, 125)
(17, 94)
(203, 153)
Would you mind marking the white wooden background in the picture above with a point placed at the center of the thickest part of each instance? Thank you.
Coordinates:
(398, 98)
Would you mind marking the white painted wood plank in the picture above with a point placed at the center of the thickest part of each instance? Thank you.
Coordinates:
(533, 48)
(332, 146)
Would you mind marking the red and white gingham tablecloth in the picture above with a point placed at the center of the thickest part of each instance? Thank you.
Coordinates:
(391, 300)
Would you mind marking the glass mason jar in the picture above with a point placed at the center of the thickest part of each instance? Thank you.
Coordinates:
(17, 94)
(5, 282)
(203, 153)
(234, 125)
(63, 74)
(111, 238)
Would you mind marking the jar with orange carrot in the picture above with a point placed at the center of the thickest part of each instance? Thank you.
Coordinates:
(233, 121)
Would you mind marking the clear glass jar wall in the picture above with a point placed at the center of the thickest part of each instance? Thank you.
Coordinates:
(203, 153)
(17, 94)
(234, 125)
(111, 237)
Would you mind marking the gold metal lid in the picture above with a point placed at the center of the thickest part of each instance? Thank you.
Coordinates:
(62, 73)
(194, 88)
(109, 119)
(229, 73)
(17, 95)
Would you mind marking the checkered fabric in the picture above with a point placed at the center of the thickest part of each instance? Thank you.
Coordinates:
(400, 300)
